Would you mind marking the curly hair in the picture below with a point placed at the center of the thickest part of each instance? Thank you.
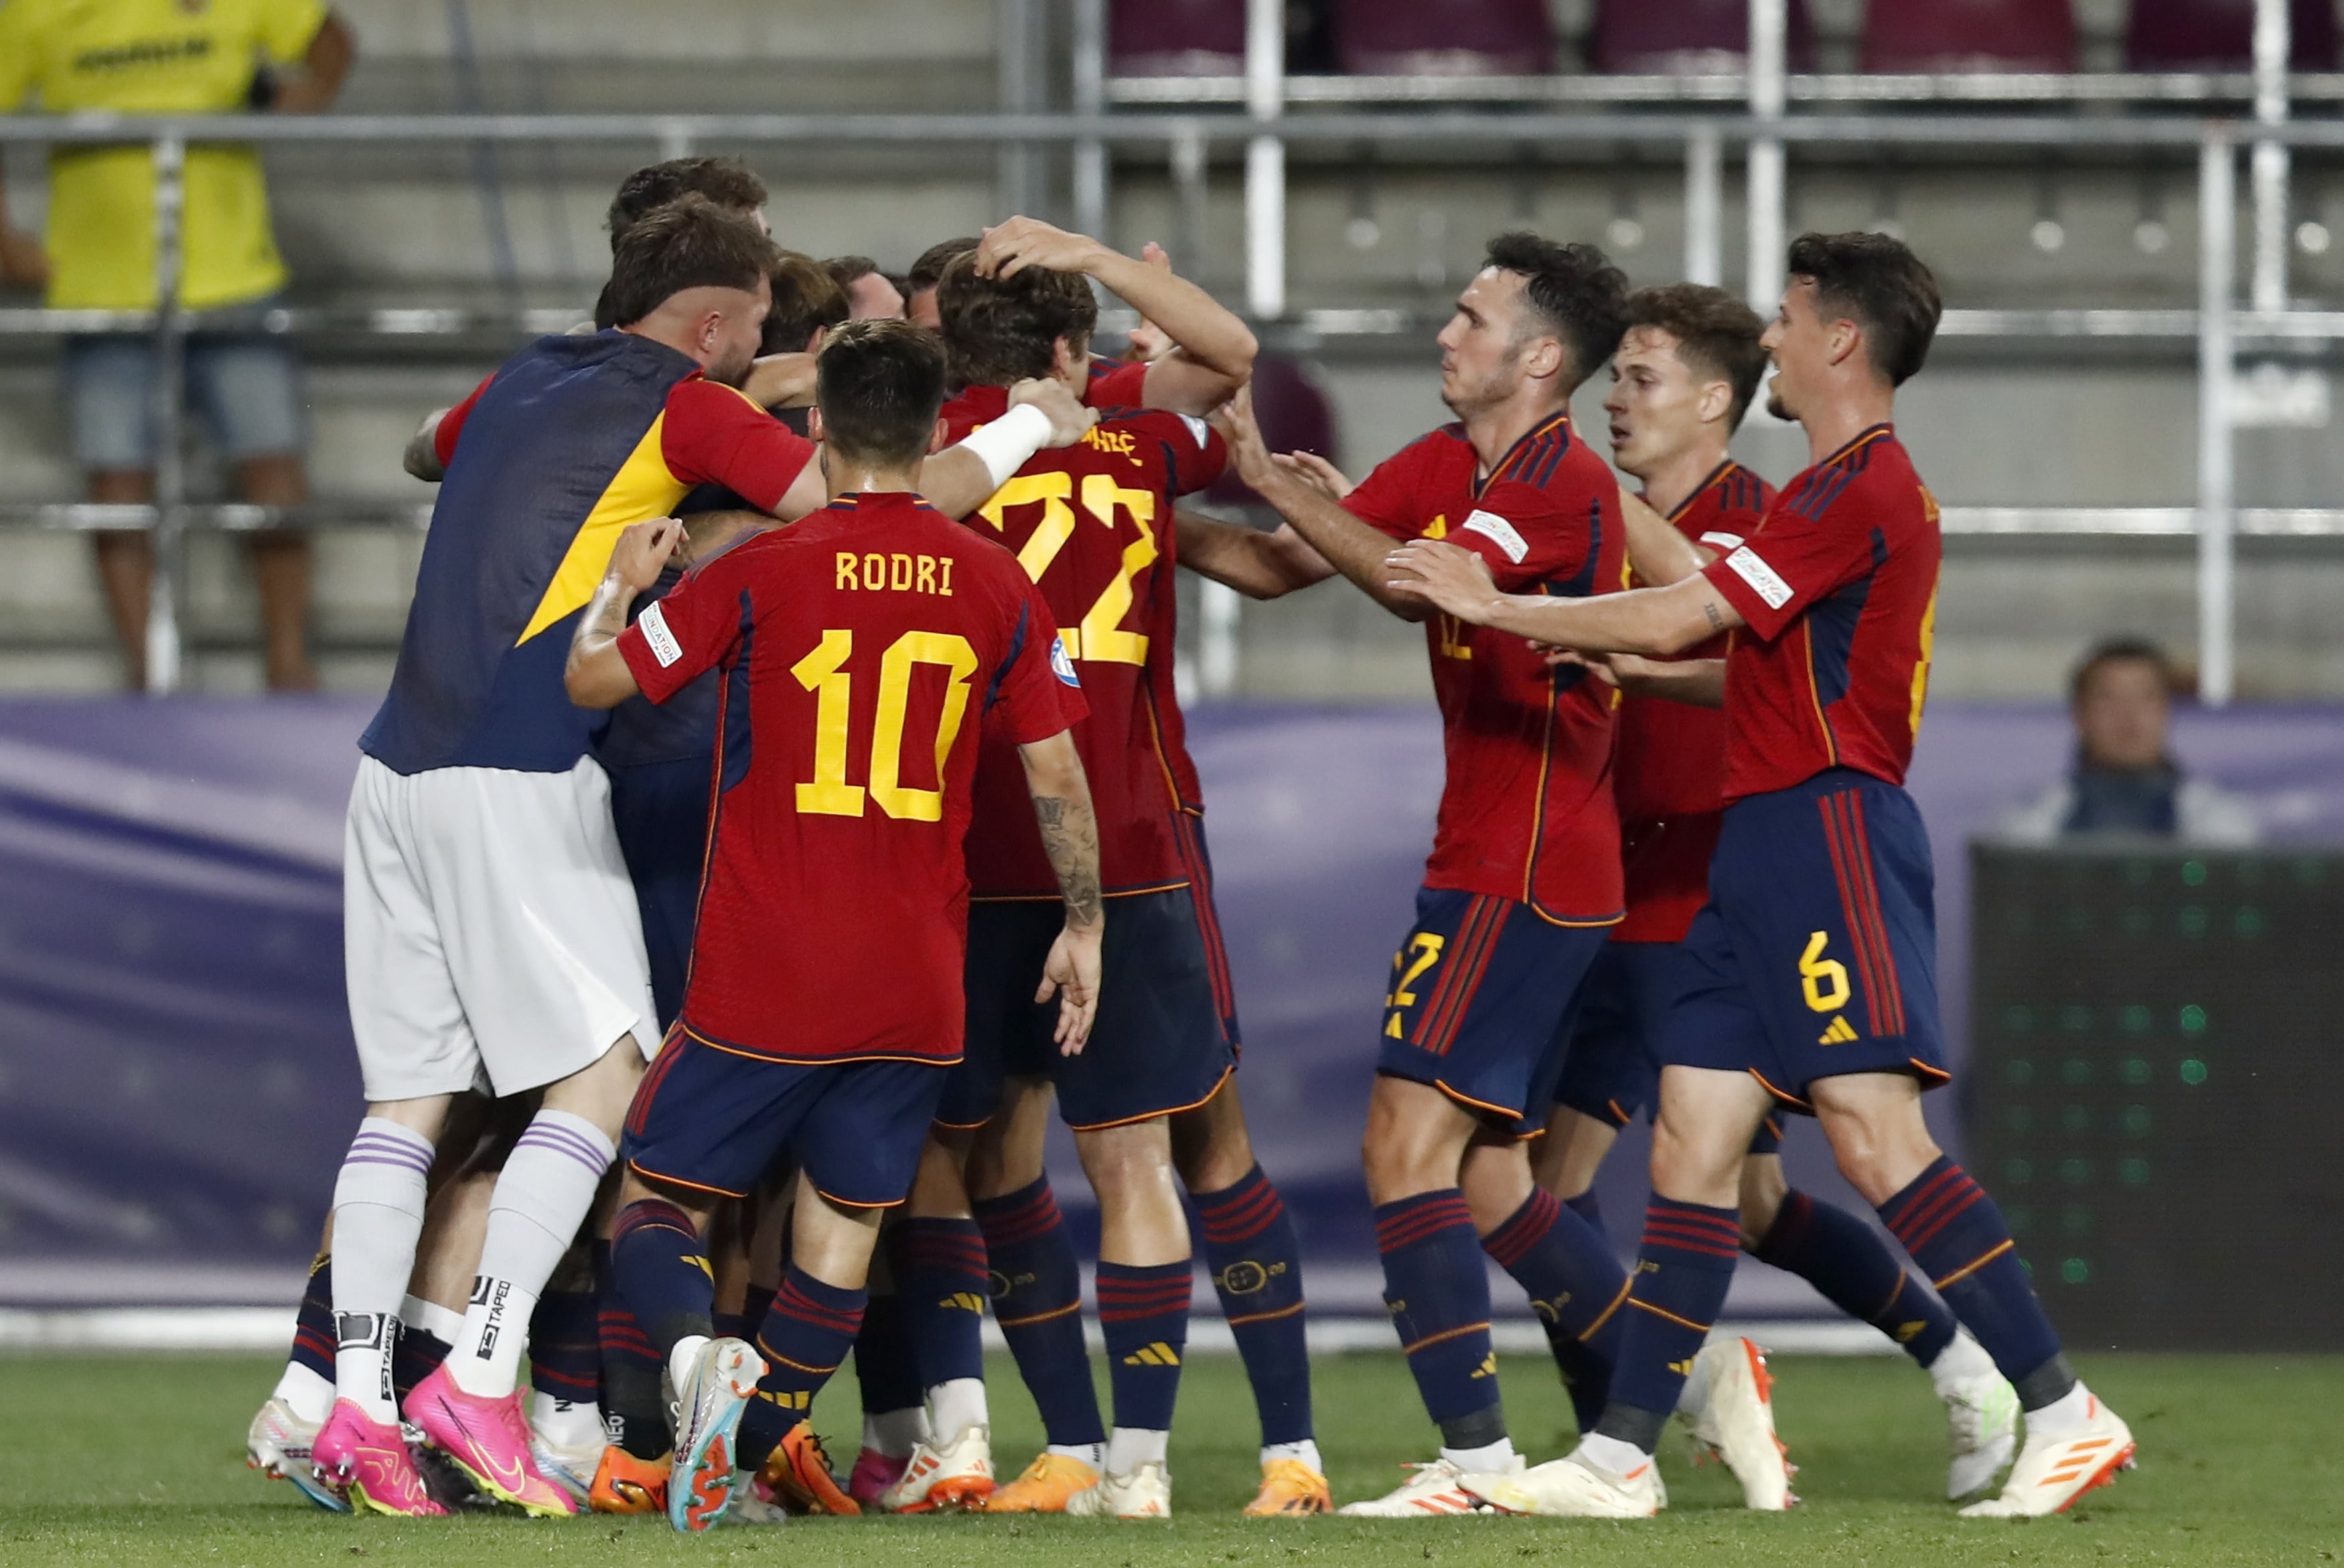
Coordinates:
(998, 330)
(1574, 292)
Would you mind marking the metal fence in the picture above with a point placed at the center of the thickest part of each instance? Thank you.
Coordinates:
(1272, 121)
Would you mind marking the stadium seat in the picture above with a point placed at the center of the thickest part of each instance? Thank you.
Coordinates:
(1969, 35)
(1176, 37)
(1445, 38)
(2219, 35)
(1686, 37)
(1295, 417)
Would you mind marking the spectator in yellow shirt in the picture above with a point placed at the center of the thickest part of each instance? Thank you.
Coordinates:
(174, 58)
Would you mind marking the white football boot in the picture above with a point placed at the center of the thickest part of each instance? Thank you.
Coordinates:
(1735, 1421)
(1144, 1493)
(2053, 1472)
(1435, 1491)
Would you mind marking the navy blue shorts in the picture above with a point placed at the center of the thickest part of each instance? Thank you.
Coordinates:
(1611, 1072)
(1816, 954)
(660, 811)
(717, 1119)
(1166, 1031)
(1480, 1003)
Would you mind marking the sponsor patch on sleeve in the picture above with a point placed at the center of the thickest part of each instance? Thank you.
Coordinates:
(1721, 539)
(653, 624)
(1062, 663)
(1761, 576)
(1491, 525)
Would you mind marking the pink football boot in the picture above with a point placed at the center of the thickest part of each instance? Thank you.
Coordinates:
(488, 1440)
(368, 1460)
(874, 1472)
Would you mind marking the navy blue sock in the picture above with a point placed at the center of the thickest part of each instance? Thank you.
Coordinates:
(1039, 1306)
(940, 1270)
(633, 1414)
(886, 1364)
(565, 1348)
(806, 1336)
(1954, 1231)
(415, 1356)
(1144, 1317)
(1574, 1285)
(1256, 1260)
(1844, 1259)
(1682, 1274)
(1438, 1293)
(662, 1267)
(314, 1331)
(1588, 1206)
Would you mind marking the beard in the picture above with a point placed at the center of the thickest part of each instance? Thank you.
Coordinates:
(732, 370)
(1774, 404)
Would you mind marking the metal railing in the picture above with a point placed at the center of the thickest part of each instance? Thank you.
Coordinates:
(1267, 126)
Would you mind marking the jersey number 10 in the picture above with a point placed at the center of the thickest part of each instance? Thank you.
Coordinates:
(823, 672)
(1100, 637)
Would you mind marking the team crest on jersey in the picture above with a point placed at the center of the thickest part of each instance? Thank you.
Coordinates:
(1062, 663)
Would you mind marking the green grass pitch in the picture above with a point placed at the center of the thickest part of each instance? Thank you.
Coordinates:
(112, 1461)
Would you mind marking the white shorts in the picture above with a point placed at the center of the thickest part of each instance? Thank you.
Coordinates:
(490, 934)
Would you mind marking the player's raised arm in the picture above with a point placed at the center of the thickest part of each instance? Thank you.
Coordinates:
(1340, 539)
(596, 674)
(1214, 350)
(1042, 413)
(1062, 806)
(1657, 622)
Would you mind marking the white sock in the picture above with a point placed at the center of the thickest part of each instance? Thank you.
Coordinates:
(445, 1324)
(1307, 1450)
(1962, 1358)
(1616, 1454)
(1130, 1447)
(563, 1424)
(956, 1405)
(893, 1431)
(1491, 1457)
(1091, 1453)
(679, 1359)
(307, 1393)
(2064, 1416)
(378, 1219)
(540, 1200)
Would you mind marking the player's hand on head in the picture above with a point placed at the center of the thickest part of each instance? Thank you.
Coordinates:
(1069, 420)
(1156, 256)
(1317, 472)
(1455, 580)
(644, 550)
(1071, 974)
(1010, 247)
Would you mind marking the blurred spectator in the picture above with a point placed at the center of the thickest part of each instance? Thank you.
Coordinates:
(869, 291)
(2125, 783)
(174, 58)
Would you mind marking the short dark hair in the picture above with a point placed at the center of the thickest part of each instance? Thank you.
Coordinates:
(1879, 284)
(1574, 292)
(928, 270)
(880, 385)
(1717, 335)
(690, 243)
(844, 269)
(727, 182)
(806, 299)
(2122, 650)
(998, 330)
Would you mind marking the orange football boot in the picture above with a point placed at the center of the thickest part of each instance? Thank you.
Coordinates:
(798, 1476)
(625, 1484)
(1045, 1487)
(1289, 1487)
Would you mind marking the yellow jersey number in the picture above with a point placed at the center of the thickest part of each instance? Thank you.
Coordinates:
(823, 672)
(1099, 637)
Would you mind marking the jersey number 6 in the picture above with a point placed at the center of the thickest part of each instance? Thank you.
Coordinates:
(823, 672)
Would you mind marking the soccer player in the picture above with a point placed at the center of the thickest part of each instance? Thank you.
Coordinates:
(862, 651)
(927, 271)
(871, 294)
(1524, 883)
(1808, 980)
(1087, 524)
(488, 925)
(1686, 372)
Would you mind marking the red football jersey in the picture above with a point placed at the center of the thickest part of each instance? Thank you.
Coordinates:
(1527, 809)
(863, 650)
(1115, 384)
(1839, 587)
(1671, 762)
(1092, 524)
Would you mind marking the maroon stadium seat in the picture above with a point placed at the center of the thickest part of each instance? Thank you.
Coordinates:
(1176, 37)
(1445, 38)
(2219, 35)
(1969, 35)
(1295, 417)
(1684, 37)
